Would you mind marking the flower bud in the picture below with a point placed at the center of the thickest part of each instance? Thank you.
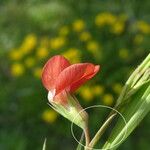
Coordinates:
(68, 106)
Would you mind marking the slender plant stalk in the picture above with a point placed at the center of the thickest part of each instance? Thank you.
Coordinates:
(136, 98)
(87, 137)
(44, 145)
(136, 111)
(101, 130)
(79, 147)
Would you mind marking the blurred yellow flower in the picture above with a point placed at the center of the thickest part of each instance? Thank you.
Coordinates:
(123, 53)
(64, 31)
(105, 18)
(57, 43)
(143, 26)
(94, 48)
(117, 87)
(86, 93)
(28, 44)
(85, 36)
(108, 99)
(138, 39)
(37, 72)
(118, 27)
(15, 54)
(73, 55)
(98, 90)
(42, 52)
(49, 116)
(29, 62)
(78, 25)
(17, 69)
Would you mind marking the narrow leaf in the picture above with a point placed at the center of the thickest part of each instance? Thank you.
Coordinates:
(44, 145)
(79, 147)
(134, 112)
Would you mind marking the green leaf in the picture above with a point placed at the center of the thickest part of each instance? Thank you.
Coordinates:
(139, 77)
(79, 147)
(134, 112)
(44, 145)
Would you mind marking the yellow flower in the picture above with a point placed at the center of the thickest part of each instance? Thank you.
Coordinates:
(42, 52)
(37, 72)
(64, 31)
(86, 93)
(57, 43)
(117, 88)
(123, 53)
(17, 69)
(78, 25)
(15, 54)
(94, 48)
(108, 99)
(28, 44)
(143, 27)
(49, 116)
(29, 62)
(73, 55)
(118, 27)
(98, 90)
(85, 36)
(138, 39)
(105, 19)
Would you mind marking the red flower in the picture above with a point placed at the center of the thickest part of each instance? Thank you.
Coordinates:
(59, 76)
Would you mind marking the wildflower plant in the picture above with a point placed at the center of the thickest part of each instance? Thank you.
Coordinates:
(62, 79)
(110, 39)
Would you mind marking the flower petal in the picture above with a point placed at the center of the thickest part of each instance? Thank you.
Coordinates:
(96, 69)
(61, 98)
(52, 69)
(87, 77)
(74, 76)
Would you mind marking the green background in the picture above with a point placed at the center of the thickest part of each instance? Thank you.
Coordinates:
(23, 99)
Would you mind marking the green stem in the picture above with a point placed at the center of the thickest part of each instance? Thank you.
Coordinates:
(79, 147)
(87, 138)
(101, 131)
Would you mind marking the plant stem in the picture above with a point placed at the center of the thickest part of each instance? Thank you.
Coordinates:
(87, 137)
(101, 131)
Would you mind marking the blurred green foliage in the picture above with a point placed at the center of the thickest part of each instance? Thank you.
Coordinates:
(114, 34)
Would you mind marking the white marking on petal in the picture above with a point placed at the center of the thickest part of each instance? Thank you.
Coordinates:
(51, 95)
